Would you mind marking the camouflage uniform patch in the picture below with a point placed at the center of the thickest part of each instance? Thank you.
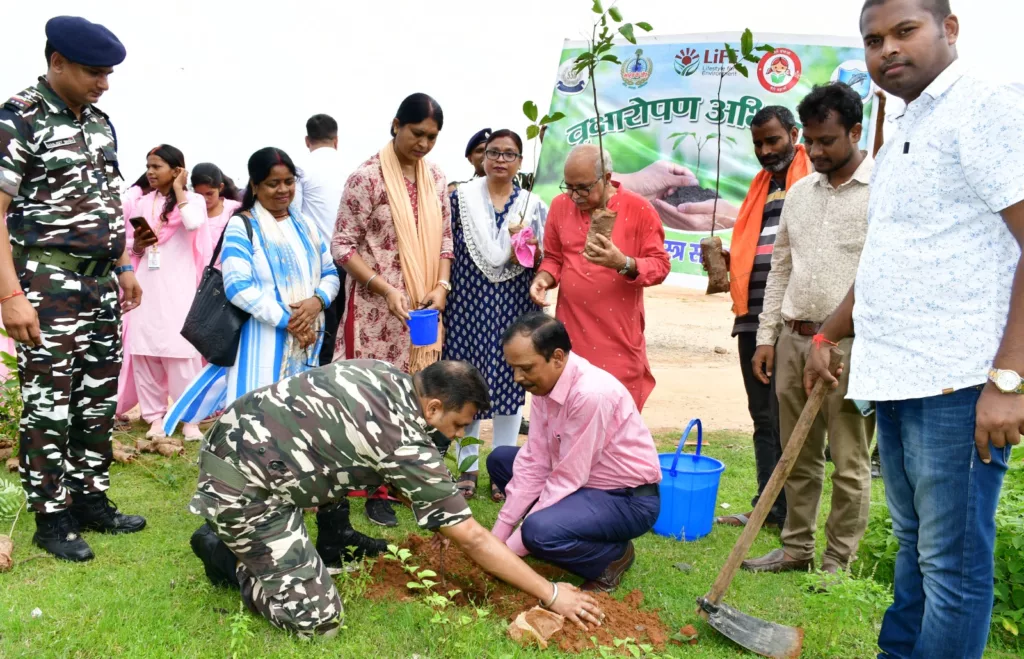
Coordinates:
(307, 441)
(62, 174)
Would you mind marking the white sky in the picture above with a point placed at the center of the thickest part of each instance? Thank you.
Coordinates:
(220, 79)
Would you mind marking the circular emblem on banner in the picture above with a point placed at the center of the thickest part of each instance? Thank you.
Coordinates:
(686, 62)
(569, 81)
(637, 70)
(855, 74)
(779, 72)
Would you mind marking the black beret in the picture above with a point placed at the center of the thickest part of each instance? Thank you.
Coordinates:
(480, 136)
(82, 42)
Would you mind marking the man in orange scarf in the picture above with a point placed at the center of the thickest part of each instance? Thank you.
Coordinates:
(784, 162)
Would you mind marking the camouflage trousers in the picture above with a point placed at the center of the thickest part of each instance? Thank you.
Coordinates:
(68, 385)
(281, 575)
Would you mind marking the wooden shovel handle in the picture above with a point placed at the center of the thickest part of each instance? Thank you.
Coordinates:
(774, 486)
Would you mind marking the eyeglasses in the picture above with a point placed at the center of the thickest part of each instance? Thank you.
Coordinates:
(577, 190)
(507, 156)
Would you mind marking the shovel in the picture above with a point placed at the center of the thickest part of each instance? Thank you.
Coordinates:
(767, 639)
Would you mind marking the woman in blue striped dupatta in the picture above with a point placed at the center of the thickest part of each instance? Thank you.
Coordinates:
(285, 277)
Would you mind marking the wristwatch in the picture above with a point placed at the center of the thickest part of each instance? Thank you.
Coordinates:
(121, 269)
(625, 269)
(1008, 382)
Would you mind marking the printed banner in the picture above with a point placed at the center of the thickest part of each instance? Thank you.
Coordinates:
(660, 110)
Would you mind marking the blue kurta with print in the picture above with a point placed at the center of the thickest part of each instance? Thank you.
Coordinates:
(479, 311)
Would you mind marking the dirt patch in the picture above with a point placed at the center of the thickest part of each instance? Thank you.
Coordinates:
(689, 194)
(624, 619)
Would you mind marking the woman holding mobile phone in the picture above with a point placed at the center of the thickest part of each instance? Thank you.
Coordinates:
(170, 244)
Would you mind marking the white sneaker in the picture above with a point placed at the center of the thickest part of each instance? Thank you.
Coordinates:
(192, 432)
(156, 430)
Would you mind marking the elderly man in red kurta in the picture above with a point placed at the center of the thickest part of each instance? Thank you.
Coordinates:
(601, 283)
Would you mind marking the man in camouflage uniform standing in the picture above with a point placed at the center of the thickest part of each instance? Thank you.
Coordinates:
(307, 441)
(61, 247)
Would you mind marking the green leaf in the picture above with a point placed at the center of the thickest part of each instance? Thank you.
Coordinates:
(645, 26)
(626, 30)
(753, 59)
(427, 583)
(742, 70)
(634, 650)
(731, 52)
(615, 14)
(597, 7)
(711, 136)
(532, 131)
(467, 463)
(765, 49)
(675, 145)
(1010, 626)
(731, 140)
(611, 58)
(551, 118)
(747, 41)
(415, 585)
(530, 110)
(472, 441)
(426, 574)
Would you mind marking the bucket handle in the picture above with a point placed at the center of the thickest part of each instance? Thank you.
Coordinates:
(682, 443)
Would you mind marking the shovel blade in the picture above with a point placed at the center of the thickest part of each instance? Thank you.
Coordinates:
(767, 639)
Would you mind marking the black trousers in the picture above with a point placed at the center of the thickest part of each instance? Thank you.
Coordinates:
(764, 412)
(332, 323)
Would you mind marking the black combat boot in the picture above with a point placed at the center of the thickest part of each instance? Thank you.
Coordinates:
(94, 512)
(380, 512)
(57, 533)
(220, 563)
(337, 542)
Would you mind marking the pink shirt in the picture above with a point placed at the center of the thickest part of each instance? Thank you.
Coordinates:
(586, 433)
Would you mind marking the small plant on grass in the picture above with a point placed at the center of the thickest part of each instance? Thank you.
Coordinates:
(628, 647)
(841, 600)
(241, 632)
(353, 584)
(711, 247)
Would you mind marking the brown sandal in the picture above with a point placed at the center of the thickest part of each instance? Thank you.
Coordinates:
(467, 484)
(497, 495)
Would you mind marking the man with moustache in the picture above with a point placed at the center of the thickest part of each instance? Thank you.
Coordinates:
(784, 162)
(938, 308)
(817, 248)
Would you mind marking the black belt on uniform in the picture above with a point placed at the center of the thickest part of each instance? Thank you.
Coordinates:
(649, 490)
(803, 327)
(63, 260)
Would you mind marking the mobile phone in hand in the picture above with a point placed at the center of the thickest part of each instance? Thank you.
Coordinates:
(139, 224)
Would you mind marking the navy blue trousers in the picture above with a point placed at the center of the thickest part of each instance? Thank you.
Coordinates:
(585, 531)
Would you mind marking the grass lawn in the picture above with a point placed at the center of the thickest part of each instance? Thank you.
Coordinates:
(145, 595)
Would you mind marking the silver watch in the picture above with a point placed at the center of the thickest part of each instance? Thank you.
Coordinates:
(1008, 382)
(625, 269)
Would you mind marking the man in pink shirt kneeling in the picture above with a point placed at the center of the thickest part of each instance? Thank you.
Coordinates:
(587, 478)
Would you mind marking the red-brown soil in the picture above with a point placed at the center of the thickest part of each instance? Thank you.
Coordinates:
(623, 619)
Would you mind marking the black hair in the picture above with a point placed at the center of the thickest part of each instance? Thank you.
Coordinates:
(260, 164)
(174, 158)
(835, 97)
(321, 128)
(416, 108)
(548, 334)
(769, 112)
(505, 132)
(939, 9)
(206, 173)
(50, 50)
(455, 384)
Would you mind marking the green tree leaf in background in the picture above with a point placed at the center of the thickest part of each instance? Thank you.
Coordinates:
(611, 58)
(615, 14)
(597, 7)
(731, 52)
(765, 49)
(530, 110)
(643, 25)
(742, 70)
(627, 31)
(747, 41)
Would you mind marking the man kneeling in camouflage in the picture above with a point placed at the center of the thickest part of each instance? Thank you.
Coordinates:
(307, 441)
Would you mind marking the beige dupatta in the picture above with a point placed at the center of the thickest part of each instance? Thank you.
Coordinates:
(419, 248)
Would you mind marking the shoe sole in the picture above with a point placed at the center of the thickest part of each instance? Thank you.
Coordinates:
(106, 531)
(389, 525)
(69, 559)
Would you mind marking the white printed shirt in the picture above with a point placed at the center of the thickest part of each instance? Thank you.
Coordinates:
(933, 285)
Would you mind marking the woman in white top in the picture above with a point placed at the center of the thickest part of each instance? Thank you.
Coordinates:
(221, 195)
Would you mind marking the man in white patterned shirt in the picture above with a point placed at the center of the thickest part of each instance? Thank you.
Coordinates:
(938, 307)
(817, 249)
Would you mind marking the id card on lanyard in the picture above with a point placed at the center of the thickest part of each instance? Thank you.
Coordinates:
(154, 250)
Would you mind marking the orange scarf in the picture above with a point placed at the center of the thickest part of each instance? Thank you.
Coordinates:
(419, 247)
(747, 230)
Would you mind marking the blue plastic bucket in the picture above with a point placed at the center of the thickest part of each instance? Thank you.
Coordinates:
(423, 327)
(689, 488)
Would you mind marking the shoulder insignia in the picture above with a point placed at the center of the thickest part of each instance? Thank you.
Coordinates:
(24, 101)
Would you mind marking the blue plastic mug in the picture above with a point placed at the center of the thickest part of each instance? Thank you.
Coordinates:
(423, 327)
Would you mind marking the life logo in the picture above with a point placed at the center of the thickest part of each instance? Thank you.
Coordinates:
(571, 82)
(637, 70)
(686, 62)
(779, 72)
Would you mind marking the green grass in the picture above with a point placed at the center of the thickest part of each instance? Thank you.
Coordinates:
(145, 595)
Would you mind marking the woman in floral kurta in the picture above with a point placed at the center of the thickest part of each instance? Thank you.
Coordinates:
(365, 227)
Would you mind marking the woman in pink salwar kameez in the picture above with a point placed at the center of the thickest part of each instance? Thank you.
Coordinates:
(220, 193)
(169, 257)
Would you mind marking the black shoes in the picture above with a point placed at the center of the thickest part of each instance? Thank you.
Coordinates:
(57, 533)
(94, 512)
(337, 542)
(219, 562)
(380, 512)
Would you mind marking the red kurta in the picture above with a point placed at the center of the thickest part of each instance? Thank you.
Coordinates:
(602, 310)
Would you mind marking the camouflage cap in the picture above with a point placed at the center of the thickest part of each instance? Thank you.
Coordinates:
(82, 42)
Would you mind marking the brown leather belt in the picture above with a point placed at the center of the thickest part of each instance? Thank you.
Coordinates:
(803, 327)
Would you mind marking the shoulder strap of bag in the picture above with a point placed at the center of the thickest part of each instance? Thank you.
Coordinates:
(220, 241)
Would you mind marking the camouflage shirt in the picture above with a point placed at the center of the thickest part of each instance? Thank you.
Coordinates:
(313, 437)
(62, 173)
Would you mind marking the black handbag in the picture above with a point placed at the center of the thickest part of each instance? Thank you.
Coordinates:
(213, 324)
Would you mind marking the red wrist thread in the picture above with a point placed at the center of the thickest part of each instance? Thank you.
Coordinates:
(820, 339)
(12, 295)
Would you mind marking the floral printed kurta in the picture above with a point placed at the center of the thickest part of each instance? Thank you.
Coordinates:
(365, 226)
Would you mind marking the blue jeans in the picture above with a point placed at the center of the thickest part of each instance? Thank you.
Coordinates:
(943, 504)
(586, 530)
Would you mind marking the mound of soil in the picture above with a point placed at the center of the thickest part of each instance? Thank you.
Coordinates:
(689, 195)
(624, 619)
